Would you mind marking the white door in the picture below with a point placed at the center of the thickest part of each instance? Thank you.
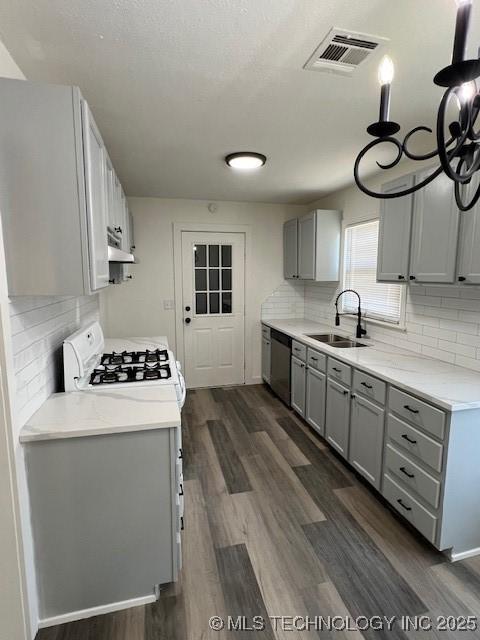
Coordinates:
(96, 187)
(213, 308)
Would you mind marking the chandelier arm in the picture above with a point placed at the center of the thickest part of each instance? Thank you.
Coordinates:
(388, 196)
(425, 156)
(394, 162)
(459, 200)
(472, 134)
(447, 156)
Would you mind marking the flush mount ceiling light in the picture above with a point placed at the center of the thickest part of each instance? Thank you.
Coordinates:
(459, 151)
(245, 160)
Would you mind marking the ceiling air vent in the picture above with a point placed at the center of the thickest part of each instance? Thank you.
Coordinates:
(343, 51)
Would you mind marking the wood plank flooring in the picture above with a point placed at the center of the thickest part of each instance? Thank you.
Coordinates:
(277, 525)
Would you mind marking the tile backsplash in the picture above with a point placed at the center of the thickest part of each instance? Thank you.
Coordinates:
(287, 301)
(39, 325)
(442, 322)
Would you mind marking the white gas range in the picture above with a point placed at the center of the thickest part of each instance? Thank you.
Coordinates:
(91, 362)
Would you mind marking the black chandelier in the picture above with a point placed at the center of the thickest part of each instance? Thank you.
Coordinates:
(459, 152)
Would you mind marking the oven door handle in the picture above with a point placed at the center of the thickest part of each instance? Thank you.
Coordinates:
(183, 387)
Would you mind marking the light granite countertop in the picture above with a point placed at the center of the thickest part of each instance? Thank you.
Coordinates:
(448, 386)
(101, 412)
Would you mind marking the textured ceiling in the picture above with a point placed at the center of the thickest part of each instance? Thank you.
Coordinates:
(176, 84)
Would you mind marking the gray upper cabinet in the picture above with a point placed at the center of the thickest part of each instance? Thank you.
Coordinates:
(56, 190)
(435, 231)
(394, 233)
(366, 439)
(469, 243)
(312, 246)
(298, 386)
(306, 247)
(290, 249)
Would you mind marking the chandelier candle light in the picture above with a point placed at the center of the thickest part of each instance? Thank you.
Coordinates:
(459, 154)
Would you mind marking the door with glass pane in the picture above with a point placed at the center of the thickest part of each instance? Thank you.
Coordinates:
(213, 308)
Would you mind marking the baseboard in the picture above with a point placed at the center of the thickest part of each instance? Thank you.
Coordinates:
(455, 557)
(254, 380)
(96, 611)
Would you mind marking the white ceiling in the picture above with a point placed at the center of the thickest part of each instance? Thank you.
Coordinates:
(176, 84)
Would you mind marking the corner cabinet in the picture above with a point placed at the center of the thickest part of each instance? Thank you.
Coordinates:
(311, 246)
(56, 191)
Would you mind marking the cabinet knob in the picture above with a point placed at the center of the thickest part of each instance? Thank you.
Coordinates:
(401, 277)
(345, 392)
(412, 278)
(461, 278)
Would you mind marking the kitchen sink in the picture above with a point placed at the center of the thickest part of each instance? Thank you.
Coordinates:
(339, 342)
(328, 337)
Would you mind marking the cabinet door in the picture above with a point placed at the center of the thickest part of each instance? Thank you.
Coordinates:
(266, 360)
(315, 404)
(298, 386)
(469, 255)
(290, 249)
(96, 197)
(394, 233)
(366, 439)
(306, 246)
(337, 423)
(435, 231)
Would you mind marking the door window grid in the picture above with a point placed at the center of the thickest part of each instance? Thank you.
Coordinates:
(213, 279)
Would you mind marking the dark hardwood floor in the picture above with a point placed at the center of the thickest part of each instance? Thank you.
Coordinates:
(276, 525)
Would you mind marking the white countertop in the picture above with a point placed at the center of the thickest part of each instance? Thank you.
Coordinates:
(449, 386)
(101, 412)
(135, 344)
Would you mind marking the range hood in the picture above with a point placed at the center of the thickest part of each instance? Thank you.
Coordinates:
(118, 256)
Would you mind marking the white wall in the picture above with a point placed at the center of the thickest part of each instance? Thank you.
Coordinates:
(136, 307)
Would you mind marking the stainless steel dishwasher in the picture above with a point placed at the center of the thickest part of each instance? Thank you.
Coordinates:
(281, 352)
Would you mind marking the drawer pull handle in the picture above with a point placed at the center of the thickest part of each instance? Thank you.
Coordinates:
(313, 359)
(345, 392)
(180, 453)
(337, 369)
(182, 524)
(181, 490)
(297, 350)
(405, 406)
(402, 504)
(405, 437)
(409, 475)
(365, 384)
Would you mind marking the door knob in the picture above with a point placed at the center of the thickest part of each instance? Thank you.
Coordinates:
(188, 320)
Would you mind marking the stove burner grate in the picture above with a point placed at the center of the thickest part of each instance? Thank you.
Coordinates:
(112, 374)
(135, 357)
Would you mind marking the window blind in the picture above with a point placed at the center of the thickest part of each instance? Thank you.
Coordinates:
(379, 300)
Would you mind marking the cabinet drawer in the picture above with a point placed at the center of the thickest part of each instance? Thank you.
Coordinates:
(369, 386)
(410, 509)
(265, 332)
(412, 475)
(299, 350)
(316, 360)
(339, 371)
(417, 444)
(417, 412)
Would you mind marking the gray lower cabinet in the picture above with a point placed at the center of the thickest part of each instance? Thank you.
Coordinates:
(266, 359)
(315, 402)
(366, 439)
(107, 515)
(337, 424)
(435, 231)
(298, 386)
(394, 232)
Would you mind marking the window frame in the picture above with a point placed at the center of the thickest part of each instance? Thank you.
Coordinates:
(396, 326)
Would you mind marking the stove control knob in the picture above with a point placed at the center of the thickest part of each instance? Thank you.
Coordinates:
(188, 320)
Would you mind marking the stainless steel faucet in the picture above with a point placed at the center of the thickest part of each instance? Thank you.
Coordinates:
(360, 330)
